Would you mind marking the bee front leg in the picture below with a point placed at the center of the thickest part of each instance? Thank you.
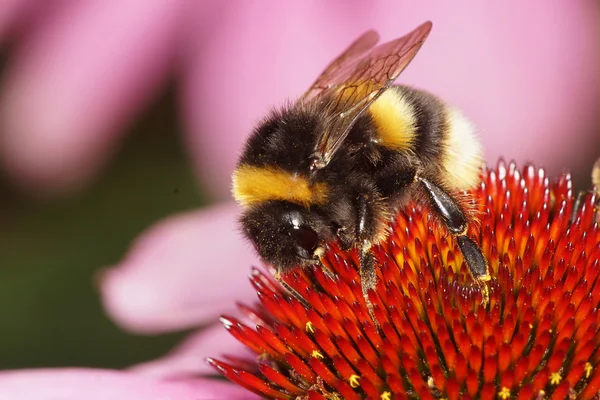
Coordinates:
(454, 218)
(290, 289)
(345, 238)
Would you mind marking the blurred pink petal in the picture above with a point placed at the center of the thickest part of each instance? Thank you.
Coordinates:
(187, 359)
(90, 384)
(76, 80)
(181, 273)
(12, 13)
(525, 73)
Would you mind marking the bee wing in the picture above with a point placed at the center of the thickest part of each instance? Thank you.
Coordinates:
(354, 80)
(335, 72)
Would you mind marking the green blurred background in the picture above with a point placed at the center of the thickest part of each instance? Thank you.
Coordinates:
(50, 251)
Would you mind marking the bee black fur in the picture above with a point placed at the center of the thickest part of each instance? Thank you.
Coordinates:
(319, 170)
(363, 166)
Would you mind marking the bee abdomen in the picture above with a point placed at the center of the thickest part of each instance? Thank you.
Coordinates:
(442, 139)
(461, 159)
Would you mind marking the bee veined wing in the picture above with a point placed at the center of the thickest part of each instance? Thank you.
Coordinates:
(354, 80)
(337, 72)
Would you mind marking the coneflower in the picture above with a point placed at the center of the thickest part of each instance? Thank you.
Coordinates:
(537, 337)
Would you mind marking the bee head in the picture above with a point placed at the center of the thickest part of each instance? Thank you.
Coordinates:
(286, 234)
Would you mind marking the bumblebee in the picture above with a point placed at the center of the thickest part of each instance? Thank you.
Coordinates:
(578, 203)
(338, 163)
(596, 174)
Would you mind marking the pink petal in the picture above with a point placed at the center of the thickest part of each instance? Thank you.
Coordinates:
(14, 13)
(183, 272)
(90, 384)
(76, 81)
(526, 73)
(187, 359)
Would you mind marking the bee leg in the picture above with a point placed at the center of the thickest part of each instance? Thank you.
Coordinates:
(368, 279)
(477, 265)
(596, 175)
(368, 274)
(576, 207)
(290, 289)
(456, 222)
(596, 184)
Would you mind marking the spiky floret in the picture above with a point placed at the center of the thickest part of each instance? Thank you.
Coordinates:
(537, 337)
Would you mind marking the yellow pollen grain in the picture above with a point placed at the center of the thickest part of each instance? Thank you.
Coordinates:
(588, 369)
(317, 354)
(310, 327)
(386, 396)
(504, 393)
(555, 378)
(430, 382)
(354, 381)
(485, 293)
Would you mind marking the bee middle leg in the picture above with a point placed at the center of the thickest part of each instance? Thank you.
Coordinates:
(456, 222)
(368, 274)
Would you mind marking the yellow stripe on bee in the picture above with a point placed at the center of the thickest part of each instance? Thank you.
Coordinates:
(253, 185)
(394, 120)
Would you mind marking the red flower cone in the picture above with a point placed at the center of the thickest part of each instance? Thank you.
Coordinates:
(537, 337)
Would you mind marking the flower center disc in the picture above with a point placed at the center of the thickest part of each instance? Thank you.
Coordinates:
(537, 337)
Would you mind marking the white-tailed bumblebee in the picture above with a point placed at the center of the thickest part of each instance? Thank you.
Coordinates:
(581, 195)
(596, 174)
(339, 162)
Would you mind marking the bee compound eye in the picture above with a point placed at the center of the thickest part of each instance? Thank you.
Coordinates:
(306, 240)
